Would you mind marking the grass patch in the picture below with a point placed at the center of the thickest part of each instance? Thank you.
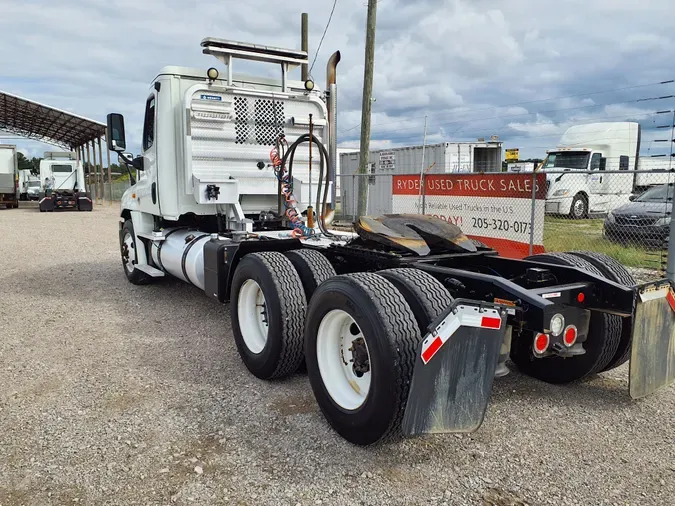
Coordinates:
(562, 234)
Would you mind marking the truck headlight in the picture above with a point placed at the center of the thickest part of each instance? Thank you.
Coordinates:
(662, 222)
(561, 193)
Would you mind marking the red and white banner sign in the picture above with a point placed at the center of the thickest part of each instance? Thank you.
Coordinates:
(495, 209)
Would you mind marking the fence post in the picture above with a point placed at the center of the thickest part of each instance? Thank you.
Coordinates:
(534, 203)
(424, 193)
(354, 197)
(670, 261)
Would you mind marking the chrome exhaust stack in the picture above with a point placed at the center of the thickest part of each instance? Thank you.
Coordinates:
(331, 90)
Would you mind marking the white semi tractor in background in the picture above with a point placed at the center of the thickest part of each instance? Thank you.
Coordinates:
(63, 182)
(29, 185)
(9, 176)
(399, 322)
(593, 169)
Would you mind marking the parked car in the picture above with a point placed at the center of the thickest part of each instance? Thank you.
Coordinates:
(645, 220)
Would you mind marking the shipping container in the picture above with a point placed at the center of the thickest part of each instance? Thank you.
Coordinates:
(442, 158)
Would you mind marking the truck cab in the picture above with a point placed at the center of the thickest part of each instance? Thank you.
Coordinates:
(66, 171)
(207, 141)
(62, 181)
(584, 173)
(29, 185)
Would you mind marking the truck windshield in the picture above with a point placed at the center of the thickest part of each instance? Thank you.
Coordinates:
(567, 160)
(659, 194)
(33, 184)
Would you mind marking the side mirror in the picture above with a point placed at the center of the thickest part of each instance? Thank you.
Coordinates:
(603, 163)
(115, 133)
(632, 198)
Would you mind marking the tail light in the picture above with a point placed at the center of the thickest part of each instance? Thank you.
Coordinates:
(570, 336)
(541, 342)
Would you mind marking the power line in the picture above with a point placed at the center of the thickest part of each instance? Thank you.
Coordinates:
(670, 81)
(487, 118)
(566, 124)
(324, 34)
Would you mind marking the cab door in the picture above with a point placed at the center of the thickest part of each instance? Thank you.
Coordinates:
(597, 181)
(147, 189)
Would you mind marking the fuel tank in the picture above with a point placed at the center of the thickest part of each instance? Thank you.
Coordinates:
(181, 254)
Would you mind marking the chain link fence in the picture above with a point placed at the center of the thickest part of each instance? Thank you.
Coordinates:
(111, 192)
(622, 213)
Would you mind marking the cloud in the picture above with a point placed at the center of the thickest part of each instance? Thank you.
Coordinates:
(473, 68)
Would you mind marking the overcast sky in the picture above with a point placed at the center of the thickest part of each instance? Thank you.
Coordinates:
(520, 69)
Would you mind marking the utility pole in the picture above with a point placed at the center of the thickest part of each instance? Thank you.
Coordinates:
(304, 41)
(366, 107)
(423, 193)
(670, 261)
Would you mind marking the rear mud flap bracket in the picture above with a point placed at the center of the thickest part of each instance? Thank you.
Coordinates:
(455, 369)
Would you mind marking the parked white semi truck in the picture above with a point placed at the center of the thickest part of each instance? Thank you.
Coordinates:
(9, 176)
(600, 161)
(29, 185)
(63, 183)
(403, 324)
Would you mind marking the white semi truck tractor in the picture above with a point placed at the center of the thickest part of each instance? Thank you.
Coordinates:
(596, 167)
(404, 323)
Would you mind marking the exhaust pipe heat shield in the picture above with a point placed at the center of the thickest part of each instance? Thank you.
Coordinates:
(455, 370)
(652, 361)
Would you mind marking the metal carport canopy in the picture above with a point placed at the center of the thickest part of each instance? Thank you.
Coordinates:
(33, 120)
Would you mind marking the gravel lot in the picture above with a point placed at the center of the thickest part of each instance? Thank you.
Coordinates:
(116, 394)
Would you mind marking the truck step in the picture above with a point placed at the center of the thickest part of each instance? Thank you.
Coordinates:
(150, 270)
(153, 236)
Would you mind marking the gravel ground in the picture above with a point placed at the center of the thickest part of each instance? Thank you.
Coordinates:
(116, 394)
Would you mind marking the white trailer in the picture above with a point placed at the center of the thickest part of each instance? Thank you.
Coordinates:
(393, 337)
(63, 183)
(441, 158)
(9, 175)
(599, 161)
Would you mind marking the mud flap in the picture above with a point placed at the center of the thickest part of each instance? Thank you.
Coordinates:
(652, 361)
(455, 369)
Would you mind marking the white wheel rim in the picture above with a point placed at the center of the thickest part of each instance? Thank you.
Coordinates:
(579, 207)
(131, 252)
(252, 313)
(335, 343)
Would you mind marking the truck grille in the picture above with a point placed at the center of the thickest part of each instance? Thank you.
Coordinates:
(262, 125)
(638, 221)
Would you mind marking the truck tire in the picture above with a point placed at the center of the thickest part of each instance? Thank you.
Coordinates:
(361, 339)
(426, 296)
(614, 271)
(579, 208)
(128, 252)
(270, 339)
(604, 335)
(312, 267)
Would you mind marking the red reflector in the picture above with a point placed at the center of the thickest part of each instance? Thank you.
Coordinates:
(491, 323)
(570, 336)
(670, 297)
(432, 349)
(541, 343)
(581, 297)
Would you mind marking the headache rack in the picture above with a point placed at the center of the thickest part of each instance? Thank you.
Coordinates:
(227, 50)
